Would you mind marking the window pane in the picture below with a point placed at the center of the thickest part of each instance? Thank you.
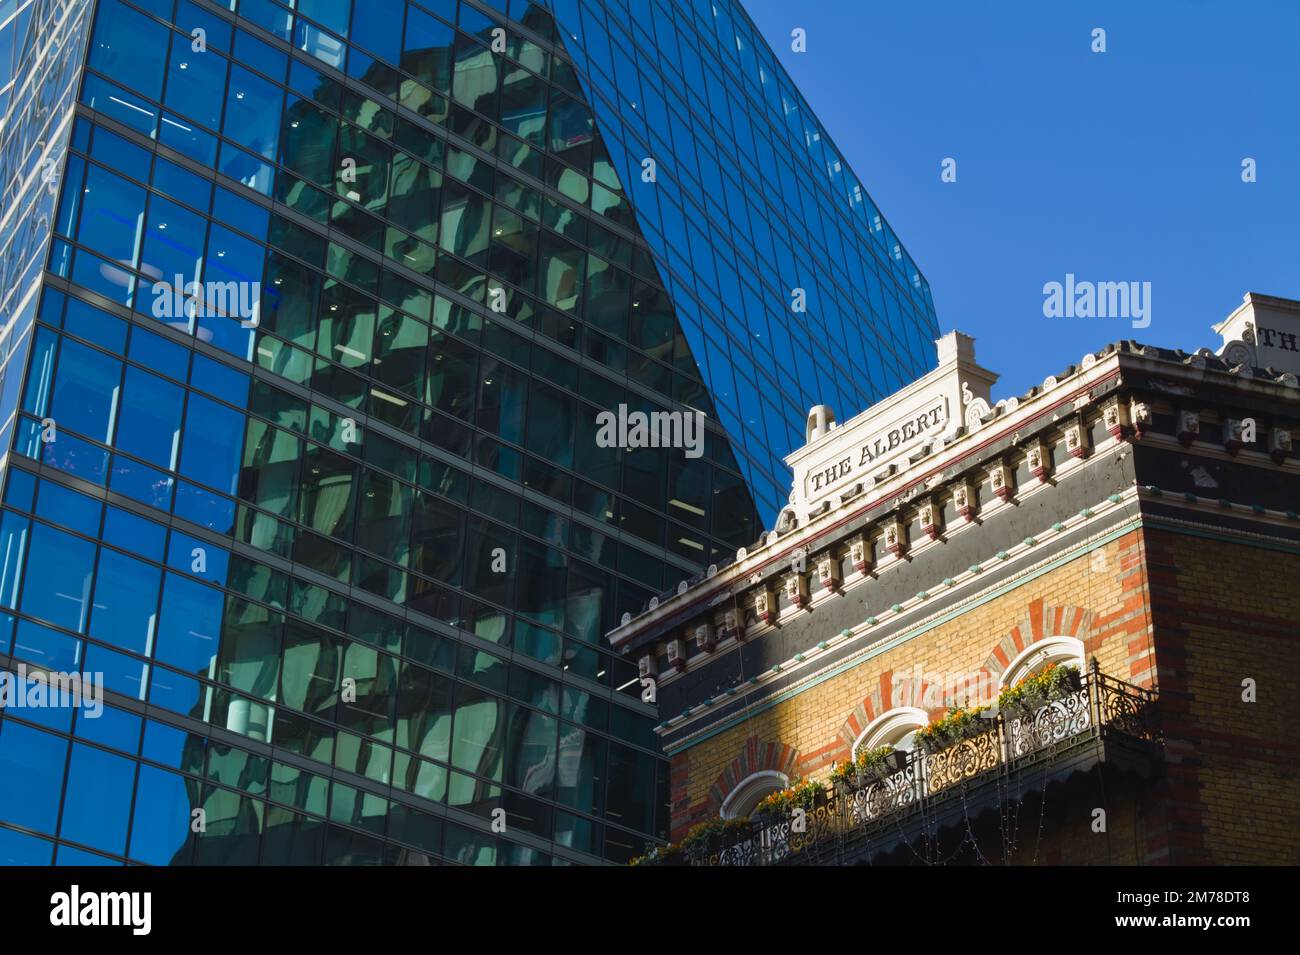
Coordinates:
(129, 47)
(477, 733)
(85, 391)
(36, 758)
(98, 799)
(126, 602)
(195, 82)
(253, 112)
(214, 438)
(424, 713)
(58, 577)
(189, 626)
(150, 421)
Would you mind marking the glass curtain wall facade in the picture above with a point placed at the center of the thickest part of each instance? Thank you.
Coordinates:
(751, 203)
(305, 463)
(41, 48)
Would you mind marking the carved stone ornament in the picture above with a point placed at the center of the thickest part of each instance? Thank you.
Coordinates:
(828, 573)
(860, 554)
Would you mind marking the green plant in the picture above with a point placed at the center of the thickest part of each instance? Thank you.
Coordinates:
(956, 725)
(1040, 688)
(867, 763)
(655, 854)
(701, 832)
(802, 795)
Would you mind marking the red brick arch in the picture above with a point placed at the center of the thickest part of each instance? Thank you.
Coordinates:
(755, 757)
(1042, 620)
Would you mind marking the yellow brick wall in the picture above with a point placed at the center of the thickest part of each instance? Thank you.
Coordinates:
(1227, 613)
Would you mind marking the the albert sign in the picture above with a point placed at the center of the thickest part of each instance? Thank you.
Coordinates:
(838, 457)
(888, 442)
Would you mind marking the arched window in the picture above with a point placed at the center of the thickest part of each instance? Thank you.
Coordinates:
(897, 728)
(1064, 651)
(750, 790)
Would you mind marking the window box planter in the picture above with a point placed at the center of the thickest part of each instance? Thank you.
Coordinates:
(867, 768)
(1034, 692)
(776, 807)
(958, 726)
(881, 767)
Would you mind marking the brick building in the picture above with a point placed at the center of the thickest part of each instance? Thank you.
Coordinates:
(1120, 547)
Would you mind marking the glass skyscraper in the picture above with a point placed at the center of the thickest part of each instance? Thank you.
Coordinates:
(309, 313)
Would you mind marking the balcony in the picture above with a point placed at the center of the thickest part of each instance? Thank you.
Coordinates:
(1103, 720)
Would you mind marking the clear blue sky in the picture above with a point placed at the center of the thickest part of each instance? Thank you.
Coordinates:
(1120, 166)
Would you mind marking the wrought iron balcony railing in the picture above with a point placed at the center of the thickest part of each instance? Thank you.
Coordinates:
(1100, 708)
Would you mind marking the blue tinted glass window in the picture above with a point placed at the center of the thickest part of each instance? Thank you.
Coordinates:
(126, 602)
(81, 135)
(112, 212)
(121, 673)
(58, 577)
(95, 325)
(112, 727)
(220, 380)
(67, 454)
(198, 557)
(242, 166)
(188, 139)
(260, 56)
(17, 848)
(252, 112)
(129, 47)
(195, 82)
(162, 356)
(53, 650)
(150, 420)
(19, 489)
(97, 803)
(214, 440)
(240, 213)
(173, 248)
(141, 483)
(102, 275)
(190, 625)
(204, 508)
(172, 691)
(160, 8)
(134, 533)
(163, 743)
(377, 27)
(68, 508)
(161, 823)
(13, 540)
(121, 105)
(217, 31)
(117, 153)
(182, 184)
(37, 758)
(232, 258)
(84, 390)
(65, 223)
